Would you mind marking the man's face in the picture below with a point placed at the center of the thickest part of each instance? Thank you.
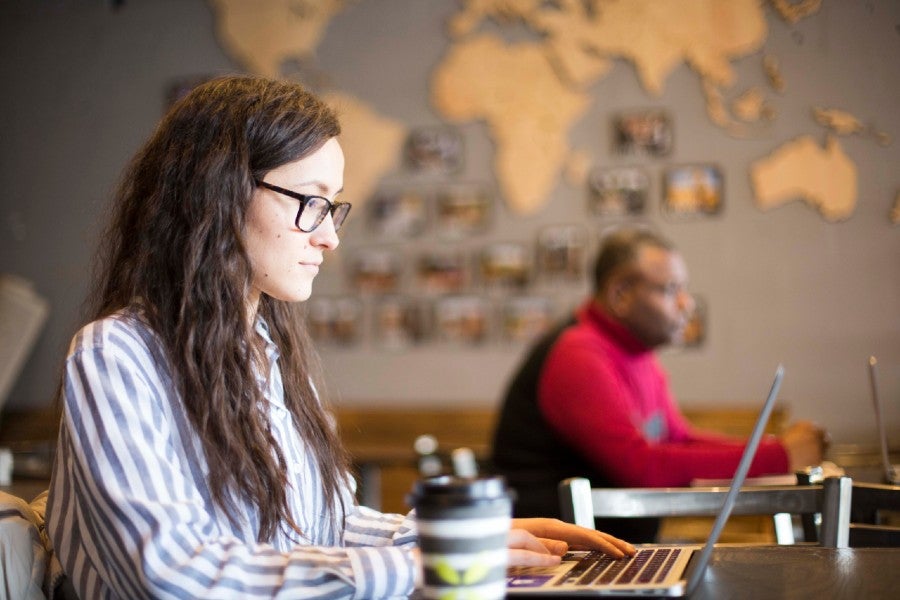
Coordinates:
(654, 303)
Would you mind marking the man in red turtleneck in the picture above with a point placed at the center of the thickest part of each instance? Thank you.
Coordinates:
(592, 400)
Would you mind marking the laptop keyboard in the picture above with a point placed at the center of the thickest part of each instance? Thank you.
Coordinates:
(649, 565)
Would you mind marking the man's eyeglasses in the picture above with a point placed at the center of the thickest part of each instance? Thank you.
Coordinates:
(313, 208)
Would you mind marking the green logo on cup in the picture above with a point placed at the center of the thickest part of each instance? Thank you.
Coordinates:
(474, 574)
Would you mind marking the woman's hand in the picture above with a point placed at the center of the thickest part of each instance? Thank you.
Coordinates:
(541, 542)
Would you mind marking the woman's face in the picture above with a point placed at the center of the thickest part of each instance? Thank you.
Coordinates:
(284, 259)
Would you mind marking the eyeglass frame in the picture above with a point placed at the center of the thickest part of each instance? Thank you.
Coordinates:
(304, 200)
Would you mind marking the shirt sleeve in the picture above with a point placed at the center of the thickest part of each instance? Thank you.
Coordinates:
(367, 527)
(583, 400)
(139, 524)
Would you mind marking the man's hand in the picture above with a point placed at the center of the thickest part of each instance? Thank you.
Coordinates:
(805, 444)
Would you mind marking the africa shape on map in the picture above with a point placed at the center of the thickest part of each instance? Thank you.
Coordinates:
(575, 43)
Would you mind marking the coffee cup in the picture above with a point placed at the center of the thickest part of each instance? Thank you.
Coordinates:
(463, 526)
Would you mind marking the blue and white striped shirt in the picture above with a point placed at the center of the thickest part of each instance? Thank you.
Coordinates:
(131, 515)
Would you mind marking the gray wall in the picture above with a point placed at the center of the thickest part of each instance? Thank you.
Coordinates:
(84, 85)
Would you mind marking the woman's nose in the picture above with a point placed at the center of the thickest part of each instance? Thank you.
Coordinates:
(325, 235)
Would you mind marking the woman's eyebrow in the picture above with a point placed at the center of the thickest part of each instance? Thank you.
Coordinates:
(320, 186)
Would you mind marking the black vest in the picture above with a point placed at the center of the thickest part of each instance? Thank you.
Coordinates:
(534, 459)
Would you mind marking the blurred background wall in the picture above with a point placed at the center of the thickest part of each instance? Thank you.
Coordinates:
(84, 82)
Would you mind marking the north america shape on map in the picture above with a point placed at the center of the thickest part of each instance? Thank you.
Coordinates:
(574, 47)
(263, 36)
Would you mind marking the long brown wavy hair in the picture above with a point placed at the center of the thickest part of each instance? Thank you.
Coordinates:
(175, 247)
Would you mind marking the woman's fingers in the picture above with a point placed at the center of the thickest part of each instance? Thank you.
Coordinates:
(522, 539)
(541, 542)
(525, 558)
(526, 550)
(574, 535)
(557, 547)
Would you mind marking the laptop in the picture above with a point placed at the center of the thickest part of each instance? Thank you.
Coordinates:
(656, 570)
(891, 472)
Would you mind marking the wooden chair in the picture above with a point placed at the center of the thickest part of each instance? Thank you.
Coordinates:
(580, 504)
(869, 526)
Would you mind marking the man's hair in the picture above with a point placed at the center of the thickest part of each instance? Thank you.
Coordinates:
(620, 248)
(175, 249)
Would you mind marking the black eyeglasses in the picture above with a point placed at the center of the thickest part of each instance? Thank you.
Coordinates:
(313, 209)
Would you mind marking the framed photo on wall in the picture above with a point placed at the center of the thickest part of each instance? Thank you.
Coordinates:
(505, 265)
(436, 148)
(618, 192)
(524, 318)
(562, 252)
(400, 322)
(462, 319)
(694, 334)
(443, 271)
(463, 210)
(335, 320)
(375, 270)
(643, 132)
(693, 191)
(398, 213)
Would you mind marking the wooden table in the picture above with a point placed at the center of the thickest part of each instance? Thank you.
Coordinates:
(739, 572)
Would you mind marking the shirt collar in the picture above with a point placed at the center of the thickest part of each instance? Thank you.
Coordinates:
(617, 331)
(262, 328)
(270, 383)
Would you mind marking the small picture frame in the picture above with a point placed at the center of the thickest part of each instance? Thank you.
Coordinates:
(436, 148)
(618, 192)
(443, 271)
(399, 213)
(643, 133)
(694, 334)
(462, 319)
(505, 265)
(400, 322)
(375, 271)
(562, 252)
(463, 210)
(693, 191)
(524, 318)
(335, 320)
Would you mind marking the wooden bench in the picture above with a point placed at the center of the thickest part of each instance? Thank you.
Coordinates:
(380, 439)
(381, 443)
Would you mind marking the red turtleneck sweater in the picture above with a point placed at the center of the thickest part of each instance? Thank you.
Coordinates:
(605, 393)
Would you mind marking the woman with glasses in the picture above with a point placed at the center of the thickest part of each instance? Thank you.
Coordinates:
(195, 458)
